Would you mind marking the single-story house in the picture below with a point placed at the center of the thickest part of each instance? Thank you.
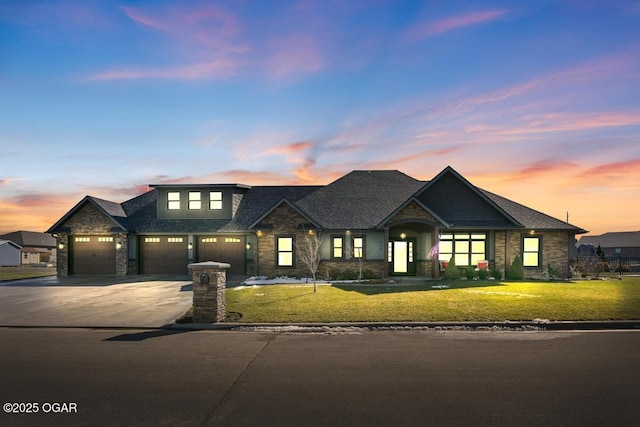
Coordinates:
(9, 254)
(387, 222)
(615, 244)
(36, 247)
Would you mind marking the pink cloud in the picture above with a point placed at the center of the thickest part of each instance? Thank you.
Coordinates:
(140, 18)
(293, 55)
(433, 28)
(217, 69)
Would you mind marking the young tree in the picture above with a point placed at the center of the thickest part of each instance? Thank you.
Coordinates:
(309, 253)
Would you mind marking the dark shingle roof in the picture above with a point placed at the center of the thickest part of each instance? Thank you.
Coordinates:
(621, 239)
(359, 200)
(30, 238)
(530, 218)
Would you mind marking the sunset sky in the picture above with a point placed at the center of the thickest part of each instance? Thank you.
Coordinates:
(538, 101)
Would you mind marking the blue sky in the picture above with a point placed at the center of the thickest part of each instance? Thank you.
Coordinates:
(538, 101)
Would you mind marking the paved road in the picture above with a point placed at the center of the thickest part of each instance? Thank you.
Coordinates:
(227, 378)
(132, 301)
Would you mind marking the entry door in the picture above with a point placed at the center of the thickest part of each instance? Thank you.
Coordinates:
(401, 257)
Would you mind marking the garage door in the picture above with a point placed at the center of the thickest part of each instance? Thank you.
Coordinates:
(93, 255)
(229, 249)
(163, 255)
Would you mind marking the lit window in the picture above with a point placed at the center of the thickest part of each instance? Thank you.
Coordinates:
(175, 239)
(82, 239)
(105, 239)
(358, 247)
(215, 200)
(152, 240)
(195, 201)
(465, 248)
(284, 251)
(531, 252)
(232, 240)
(337, 244)
(173, 200)
(209, 240)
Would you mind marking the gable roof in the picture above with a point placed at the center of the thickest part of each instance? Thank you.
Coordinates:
(621, 239)
(359, 200)
(277, 205)
(10, 243)
(111, 210)
(30, 238)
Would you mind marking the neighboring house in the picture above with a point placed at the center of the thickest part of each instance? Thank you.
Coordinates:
(384, 220)
(614, 244)
(36, 247)
(9, 254)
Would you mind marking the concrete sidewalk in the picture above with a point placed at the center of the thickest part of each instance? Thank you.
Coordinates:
(93, 301)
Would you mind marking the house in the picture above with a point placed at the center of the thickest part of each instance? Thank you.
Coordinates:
(615, 244)
(36, 247)
(385, 221)
(9, 254)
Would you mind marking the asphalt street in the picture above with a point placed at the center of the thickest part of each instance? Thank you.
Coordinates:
(225, 378)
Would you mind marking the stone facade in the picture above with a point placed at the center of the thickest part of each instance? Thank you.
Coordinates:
(554, 254)
(413, 211)
(333, 269)
(209, 298)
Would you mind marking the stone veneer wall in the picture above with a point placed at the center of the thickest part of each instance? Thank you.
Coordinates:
(413, 210)
(555, 253)
(332, 269)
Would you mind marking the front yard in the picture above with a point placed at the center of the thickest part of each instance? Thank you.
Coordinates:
(461, 301)
(25, 272)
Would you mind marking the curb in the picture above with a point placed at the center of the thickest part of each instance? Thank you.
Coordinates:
(467, 326)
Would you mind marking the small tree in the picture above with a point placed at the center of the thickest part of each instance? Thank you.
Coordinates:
(309, 253)
(516, 271)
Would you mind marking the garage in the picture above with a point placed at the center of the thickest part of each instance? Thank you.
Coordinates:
(229, 249)
(163, 255)
(92, 255)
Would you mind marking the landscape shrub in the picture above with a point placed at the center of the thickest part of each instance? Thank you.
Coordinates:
(469, 273)
(516, 270)
(451, 272)
(496, 274)
(483, 274)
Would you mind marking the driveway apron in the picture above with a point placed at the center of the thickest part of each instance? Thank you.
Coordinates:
(94, 301)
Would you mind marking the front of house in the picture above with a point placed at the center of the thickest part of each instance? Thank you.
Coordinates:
(383, 222)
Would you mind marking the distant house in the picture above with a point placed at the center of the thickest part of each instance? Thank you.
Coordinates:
(9, 254)
(614, 244)
(383, 220)
(36, 247)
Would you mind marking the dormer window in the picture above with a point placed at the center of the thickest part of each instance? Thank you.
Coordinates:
(195, 200)
(215, 200)
(173, 200)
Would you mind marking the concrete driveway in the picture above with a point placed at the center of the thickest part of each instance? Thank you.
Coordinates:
(94, 301)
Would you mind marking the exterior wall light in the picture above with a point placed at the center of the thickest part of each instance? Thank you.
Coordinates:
(118, 245)
(60, 246)
(248, 246)
(259, 233)
(190, 245)
(403, 236)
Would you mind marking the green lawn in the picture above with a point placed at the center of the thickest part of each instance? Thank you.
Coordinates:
(24, 272)
(463, 301)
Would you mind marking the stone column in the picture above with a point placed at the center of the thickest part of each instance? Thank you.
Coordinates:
(209, 301)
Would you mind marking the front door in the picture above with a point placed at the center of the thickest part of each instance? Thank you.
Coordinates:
(401, 256)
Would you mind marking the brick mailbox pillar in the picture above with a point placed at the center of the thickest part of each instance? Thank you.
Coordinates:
(209, 281)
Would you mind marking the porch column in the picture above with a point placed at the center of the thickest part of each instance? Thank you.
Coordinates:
(385, 253)
(435, 262)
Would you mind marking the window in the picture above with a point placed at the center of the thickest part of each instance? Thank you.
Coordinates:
(209, 240)
(195, 201)
(173, 200)
(82, 239)
(232, 240)
(358, 247)
(215, 200)
(531, 252)
(175, 239)
(337, 247)
(105, 239)
(152, 240)
(465, 248)
(284, 251)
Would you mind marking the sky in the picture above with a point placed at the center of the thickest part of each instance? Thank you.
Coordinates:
(537, 101)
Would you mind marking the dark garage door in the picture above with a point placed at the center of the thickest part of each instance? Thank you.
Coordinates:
(93, 255)
(163, 255)
(229, 249)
